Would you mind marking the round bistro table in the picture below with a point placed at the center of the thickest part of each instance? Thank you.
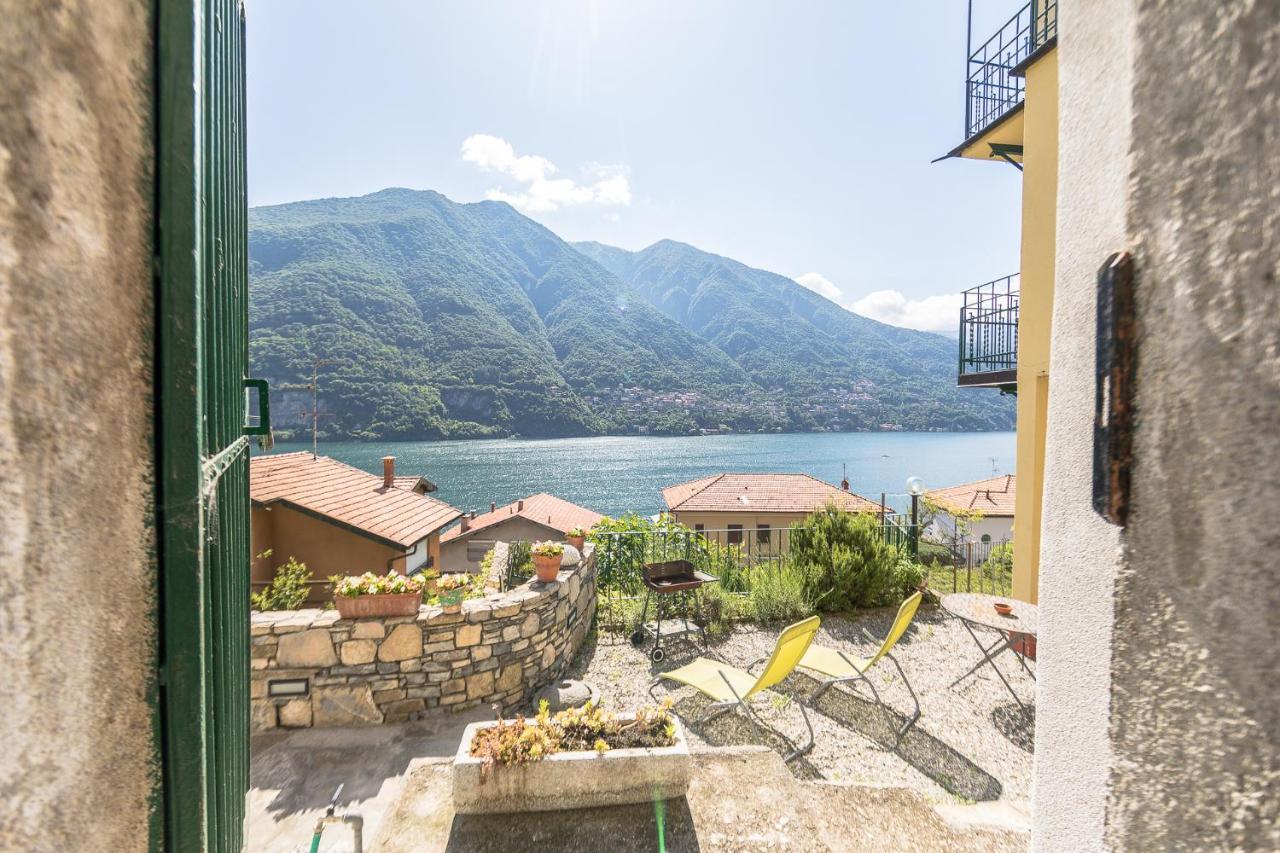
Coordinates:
(978, 611)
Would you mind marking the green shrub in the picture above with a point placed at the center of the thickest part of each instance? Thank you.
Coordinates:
(780, 591)
(998, 567)
(1000, 560)
(846, 562)
(288, 590)
(721, 608)
(519, 564)
(617, 614)
(909, 577)
(934, 553)
(625, 544)
(621, 545)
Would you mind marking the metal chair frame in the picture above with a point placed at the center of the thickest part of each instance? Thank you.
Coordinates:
(860, 675)
(718, 709)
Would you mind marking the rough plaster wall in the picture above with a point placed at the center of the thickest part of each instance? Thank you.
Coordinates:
(1080, 552)
(76, 574)
(1194, 709)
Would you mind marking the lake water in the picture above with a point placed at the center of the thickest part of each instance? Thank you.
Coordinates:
(613, 474)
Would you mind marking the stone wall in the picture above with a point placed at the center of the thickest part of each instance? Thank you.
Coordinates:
(499, 649)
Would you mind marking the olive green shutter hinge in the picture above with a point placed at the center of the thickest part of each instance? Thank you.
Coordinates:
(264, 408)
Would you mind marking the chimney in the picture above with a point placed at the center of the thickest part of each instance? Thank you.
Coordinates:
(473, 515)
(466, 524)
(493, 506)
(388, 471)
(520, 505)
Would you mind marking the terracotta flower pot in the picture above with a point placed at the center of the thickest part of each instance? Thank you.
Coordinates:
(366, 606)
(578, 542)
(1023, 644)
(548, 566)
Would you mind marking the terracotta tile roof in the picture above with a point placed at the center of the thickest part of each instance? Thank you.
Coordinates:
(761, 493)
(548, 510)
(348, 496)
(992, 496)
(410, 482)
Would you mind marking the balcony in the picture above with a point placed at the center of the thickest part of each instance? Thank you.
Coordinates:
(989, 335)
(995, 88)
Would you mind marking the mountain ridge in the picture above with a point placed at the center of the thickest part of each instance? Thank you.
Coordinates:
(447, 320)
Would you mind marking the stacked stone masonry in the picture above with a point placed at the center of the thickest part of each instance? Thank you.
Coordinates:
(500, 649)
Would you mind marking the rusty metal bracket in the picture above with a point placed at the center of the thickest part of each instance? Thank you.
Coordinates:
(1114, 387)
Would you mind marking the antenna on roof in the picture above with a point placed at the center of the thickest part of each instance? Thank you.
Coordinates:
(995, 468)
(315, 399)
(314, 387)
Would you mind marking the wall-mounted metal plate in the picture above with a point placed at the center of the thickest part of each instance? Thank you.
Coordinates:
(1115, 363)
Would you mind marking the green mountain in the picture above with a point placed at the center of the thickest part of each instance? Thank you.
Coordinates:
(436, 319)
(835, 368)
(451, 320)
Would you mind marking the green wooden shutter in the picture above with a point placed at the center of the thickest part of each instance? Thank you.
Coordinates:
(202, 357)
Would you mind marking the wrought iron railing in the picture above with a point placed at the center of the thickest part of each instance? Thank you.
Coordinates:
(973, 566)
(727, 554)
(989, 331)
(991, 87)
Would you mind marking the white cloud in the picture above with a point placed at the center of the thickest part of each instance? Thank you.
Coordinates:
(931, 314)
(820, 285)
(606, 184)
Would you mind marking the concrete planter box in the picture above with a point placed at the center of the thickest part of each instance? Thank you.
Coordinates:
(571, 780)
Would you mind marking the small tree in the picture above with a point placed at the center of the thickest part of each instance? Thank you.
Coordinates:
(845, 558)
(288, 589)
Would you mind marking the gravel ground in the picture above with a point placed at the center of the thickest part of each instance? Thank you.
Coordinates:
(971, 743)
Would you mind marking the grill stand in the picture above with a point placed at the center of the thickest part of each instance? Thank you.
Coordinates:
(669, 580)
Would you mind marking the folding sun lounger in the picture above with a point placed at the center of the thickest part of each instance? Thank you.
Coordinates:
(730, 688)
(839, 667)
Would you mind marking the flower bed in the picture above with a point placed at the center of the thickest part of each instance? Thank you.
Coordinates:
(578, 758)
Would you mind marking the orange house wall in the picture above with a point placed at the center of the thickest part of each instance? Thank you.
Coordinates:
(326, 548)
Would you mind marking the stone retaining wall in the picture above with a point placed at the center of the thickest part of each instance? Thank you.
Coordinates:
(500, 648)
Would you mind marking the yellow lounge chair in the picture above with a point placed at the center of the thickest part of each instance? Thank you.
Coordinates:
(730, 688)
(839, 667)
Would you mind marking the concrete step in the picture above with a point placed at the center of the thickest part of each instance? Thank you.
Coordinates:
(741, 798)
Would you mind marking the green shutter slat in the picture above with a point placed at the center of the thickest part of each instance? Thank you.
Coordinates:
(202, 357)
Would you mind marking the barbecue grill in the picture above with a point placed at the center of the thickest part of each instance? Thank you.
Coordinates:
(670, 578)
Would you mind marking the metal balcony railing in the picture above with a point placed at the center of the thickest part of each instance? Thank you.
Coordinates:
(993, 86)
(989, 334)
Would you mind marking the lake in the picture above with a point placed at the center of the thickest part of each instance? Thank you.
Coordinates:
(613, 474)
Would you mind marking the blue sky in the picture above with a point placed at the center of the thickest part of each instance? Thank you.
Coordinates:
(791, 136)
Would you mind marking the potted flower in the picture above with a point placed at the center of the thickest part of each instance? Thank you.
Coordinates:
(452, 589)
(365, 595)
(577, 537)
(546, 559)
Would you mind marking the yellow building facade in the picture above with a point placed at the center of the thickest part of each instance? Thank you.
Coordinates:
(1012, 121)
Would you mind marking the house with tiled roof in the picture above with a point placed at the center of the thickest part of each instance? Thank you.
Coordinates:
(753, 507)
(537, 517)
(981, 511)
(340, 520)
